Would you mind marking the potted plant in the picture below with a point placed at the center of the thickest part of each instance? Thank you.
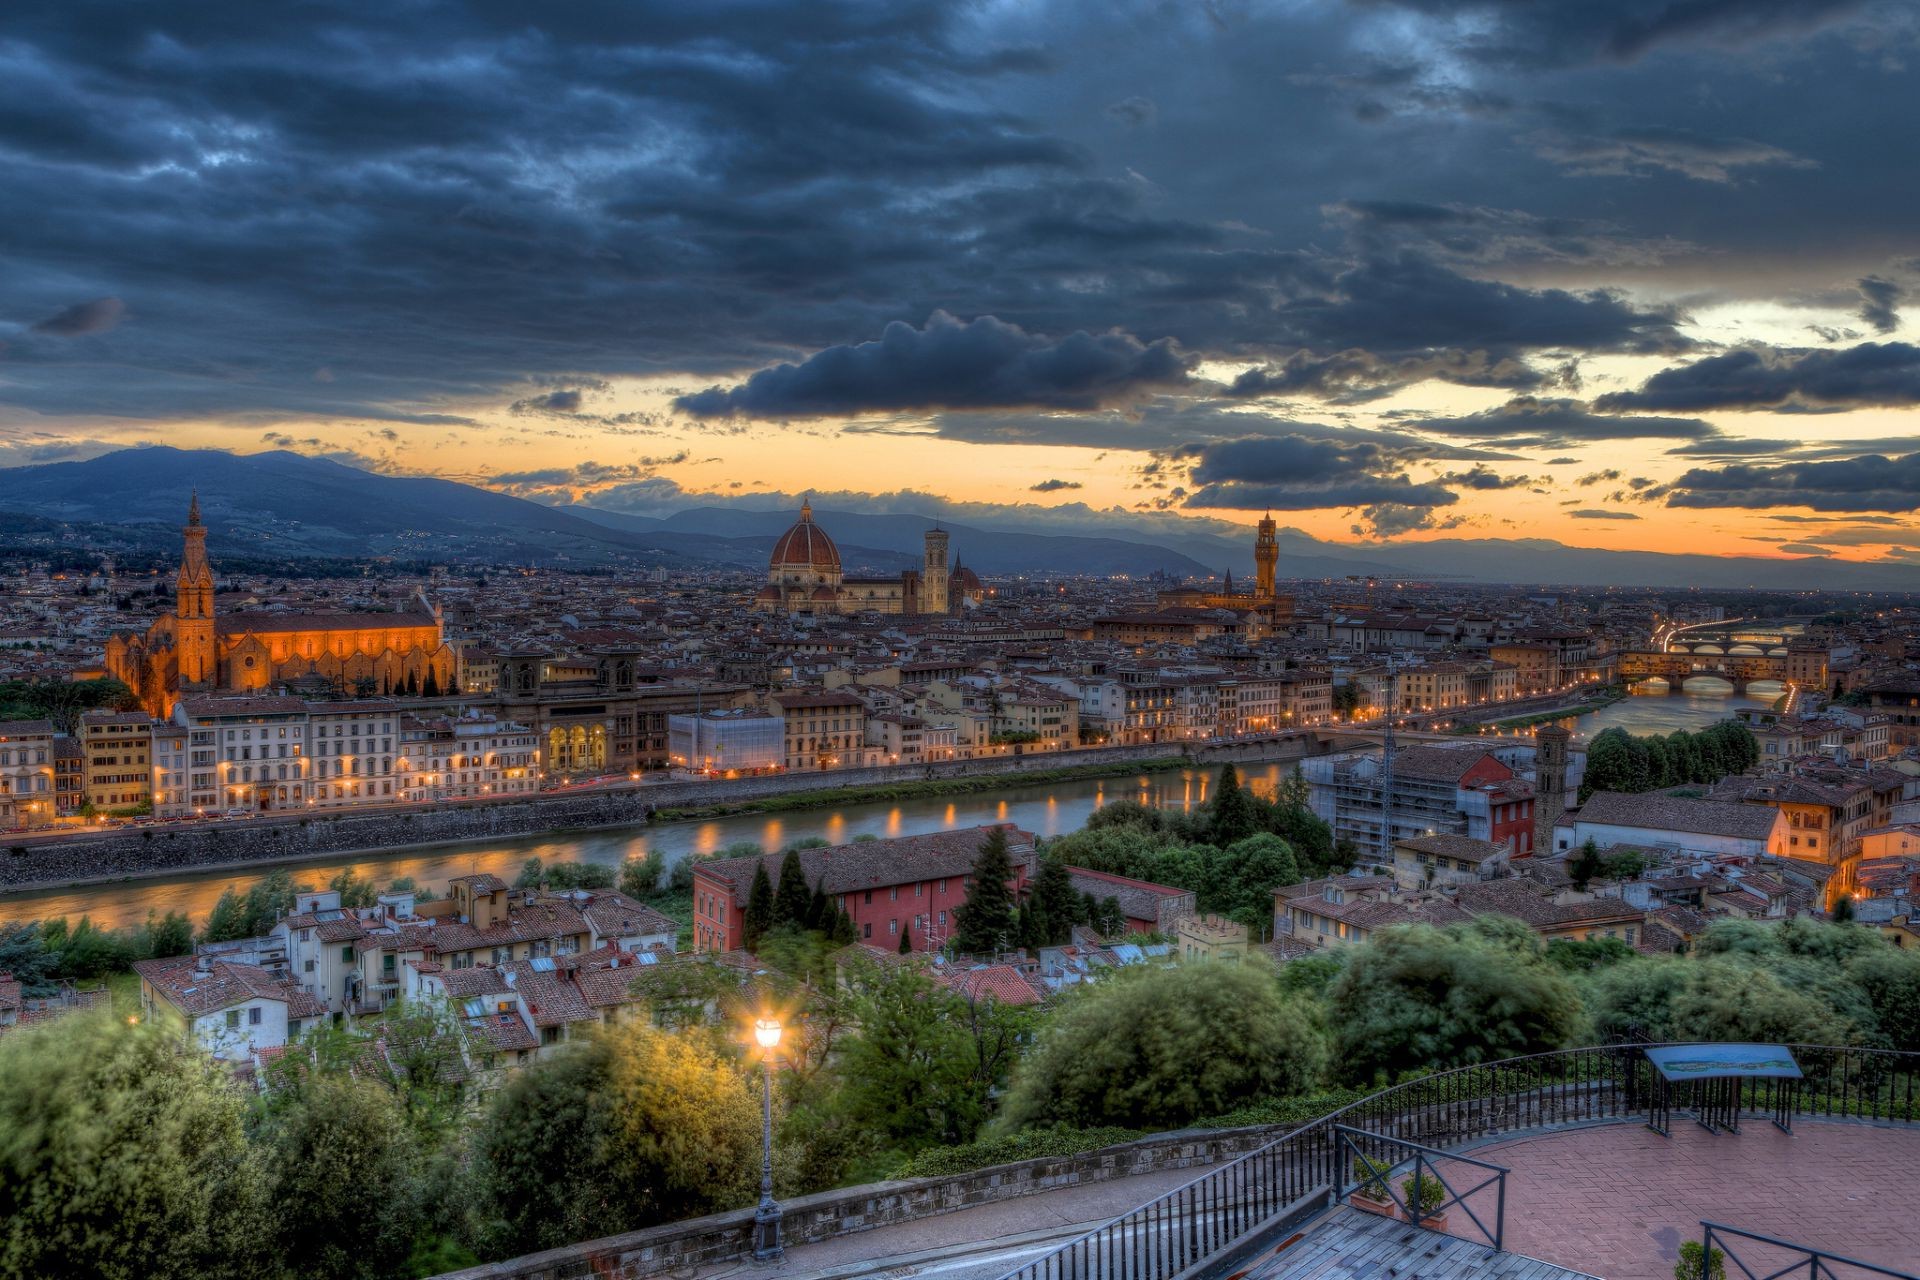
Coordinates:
(1689, 1268)
(1425, 1194)
(1370, 1191)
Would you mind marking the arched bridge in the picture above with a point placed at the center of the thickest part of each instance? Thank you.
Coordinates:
(1740, 670)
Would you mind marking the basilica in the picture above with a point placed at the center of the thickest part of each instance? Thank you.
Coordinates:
(804, 576)
(190, 650)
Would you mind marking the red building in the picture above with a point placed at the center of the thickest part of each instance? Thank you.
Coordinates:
(911, 883)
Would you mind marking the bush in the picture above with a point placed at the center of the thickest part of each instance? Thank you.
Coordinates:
(1030, 1144)
(1160, 1048)
(124, 1158)
(1418, 997)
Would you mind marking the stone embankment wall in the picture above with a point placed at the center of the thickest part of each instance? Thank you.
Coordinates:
(164, 849)
(724, 1237)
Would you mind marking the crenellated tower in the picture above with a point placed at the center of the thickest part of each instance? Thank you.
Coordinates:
(1266, 554)
(193, 634)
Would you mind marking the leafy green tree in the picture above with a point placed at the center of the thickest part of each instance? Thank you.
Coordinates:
(1843, 909)
(532, 872)
(614, 1134)
(124, 1158)
(1890, 979)
(342, 1181)
(983, 924)
(1106, 918)
(1584, 955)
(1234, 814)
(759, 914)
(162, 936)
(791, 897)
(568, 876)
(908, 1069)
(1124, 813)
(906, 939)
(641, 878)
(228, 920)
(354, 891)
(1417, 997)
(1241, 879)
(87, 951)
(1158, 1048)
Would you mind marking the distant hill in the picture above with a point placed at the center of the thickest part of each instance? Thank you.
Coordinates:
(285, 504)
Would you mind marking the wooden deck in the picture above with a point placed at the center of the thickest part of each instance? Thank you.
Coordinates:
(1346, 1245)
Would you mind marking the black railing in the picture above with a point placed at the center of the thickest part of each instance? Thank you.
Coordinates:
(1374, 1173)
(1238, 1202)
(1801, 1260)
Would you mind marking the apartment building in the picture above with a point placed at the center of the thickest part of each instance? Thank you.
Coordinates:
(27, 789)
(117, 747)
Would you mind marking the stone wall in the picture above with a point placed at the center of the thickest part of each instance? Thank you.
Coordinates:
(724, 1237)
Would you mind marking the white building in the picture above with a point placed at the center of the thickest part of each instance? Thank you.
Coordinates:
(1707, 828)
(471, 756)
(353, 747)
(230, 1010)
(26, 773)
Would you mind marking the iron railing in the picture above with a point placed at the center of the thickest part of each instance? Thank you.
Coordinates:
(1803, 1260)
(1375, 1173)
(1237, 1202)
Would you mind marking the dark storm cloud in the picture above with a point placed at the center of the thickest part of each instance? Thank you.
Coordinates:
(985, 363)
(1871, 374)
(1354, 377)
(1880, 303)
(1291, 473)
(1529, 421)
(1636, 152)
(81, 318)
(385, 213)
(1559, 32)
(1484, 478)
(1870, 482)
(564, 400)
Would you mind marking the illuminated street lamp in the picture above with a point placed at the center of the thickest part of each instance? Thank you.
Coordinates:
(766, 1218)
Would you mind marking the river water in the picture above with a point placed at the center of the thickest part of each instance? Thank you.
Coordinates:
(1048, 809)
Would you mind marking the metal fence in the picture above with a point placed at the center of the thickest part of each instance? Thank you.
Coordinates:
(1788, 1260)
(1239, 1202)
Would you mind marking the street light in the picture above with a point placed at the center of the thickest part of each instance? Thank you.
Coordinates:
(766, 1218)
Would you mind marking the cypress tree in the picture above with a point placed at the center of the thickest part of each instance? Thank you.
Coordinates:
(906, 938)
(984, 922)
(791, 899)
(843, 932)
(430, 687)
(759, 914)
(1055, 904)
(819, 910)
(1233, 812)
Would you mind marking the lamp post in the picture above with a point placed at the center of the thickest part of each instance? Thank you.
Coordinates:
(766, 1218)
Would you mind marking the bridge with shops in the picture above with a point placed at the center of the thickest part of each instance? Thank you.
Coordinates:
(1682, 663)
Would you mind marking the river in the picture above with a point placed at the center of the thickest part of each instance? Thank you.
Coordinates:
(1048, 809)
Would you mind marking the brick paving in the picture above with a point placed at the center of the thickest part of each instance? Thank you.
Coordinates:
(1616, 1201)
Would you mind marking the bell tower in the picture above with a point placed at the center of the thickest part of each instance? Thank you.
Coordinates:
(193, 639)
(1266, 554)
(1550, 749)
(934, 595)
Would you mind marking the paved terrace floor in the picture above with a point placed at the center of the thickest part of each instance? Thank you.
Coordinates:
(1616, 1201)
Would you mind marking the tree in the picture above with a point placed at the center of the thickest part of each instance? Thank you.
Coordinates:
(1584, 865)
(641, 877)
(1056, 905)
(1234, 815)
(759, 913)
(1158, 1048)
(162, 936)
(791, 897)
(906, 939)
(1890, 979)
(1241, 879)
(24, 953)
(983, 924)
(616, 1133)
(1106, 918)
(1843, 909)
(532, 872)
(125, 1158)
(568, 876)
(354, 892)
(1415, 998)
(430, 687)
(907, 1070)
(342, 1180)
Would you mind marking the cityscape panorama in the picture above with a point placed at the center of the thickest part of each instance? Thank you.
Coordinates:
(1171, 640)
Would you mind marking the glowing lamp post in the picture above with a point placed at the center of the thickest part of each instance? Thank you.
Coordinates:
(766, 1218)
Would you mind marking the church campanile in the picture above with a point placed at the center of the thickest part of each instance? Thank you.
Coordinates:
(1266, 554)
(934, 592)
(193, 609)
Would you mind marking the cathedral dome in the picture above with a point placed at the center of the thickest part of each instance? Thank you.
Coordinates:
(805, 547)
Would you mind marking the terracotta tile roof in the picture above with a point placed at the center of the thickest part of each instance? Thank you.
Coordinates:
(872, 864)
(240, 624)
(1460, 848)
(221, 986)
(1000, 982)
(615, 915)
(552, 1000)
(1682, 815)
(529, 922)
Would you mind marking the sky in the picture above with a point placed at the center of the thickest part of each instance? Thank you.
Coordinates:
(1633, 274)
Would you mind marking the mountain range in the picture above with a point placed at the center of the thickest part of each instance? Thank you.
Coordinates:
(287, 504)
